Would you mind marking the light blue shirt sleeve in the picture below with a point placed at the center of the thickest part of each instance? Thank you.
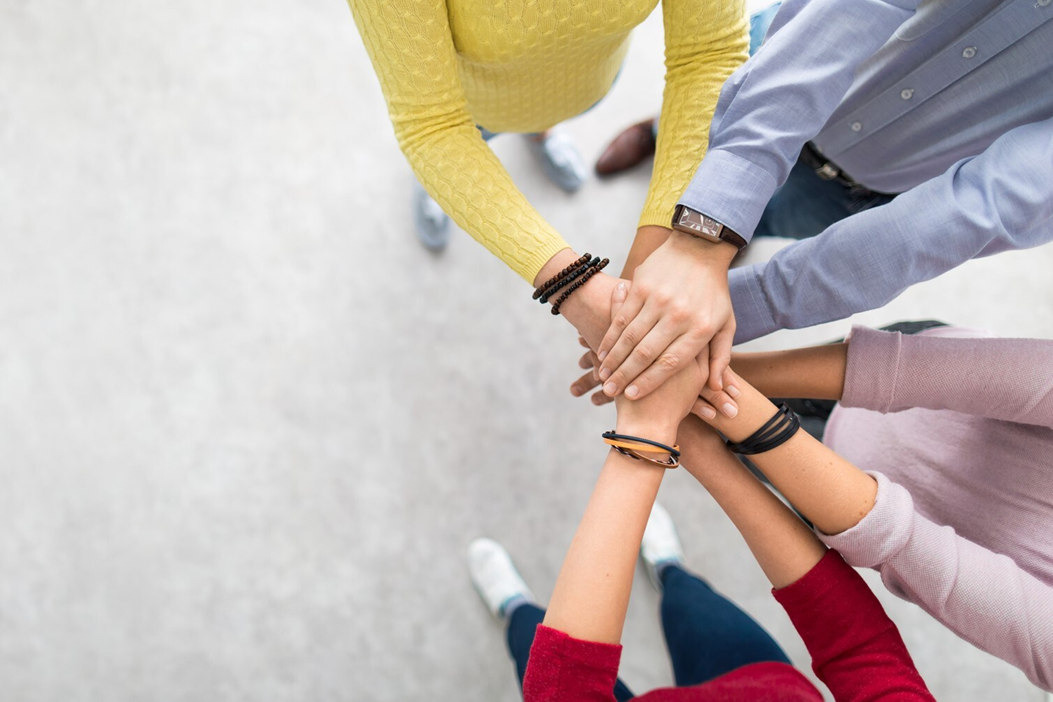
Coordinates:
(781, 98)
(983, 205)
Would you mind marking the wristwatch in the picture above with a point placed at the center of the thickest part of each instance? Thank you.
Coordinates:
(704, 227)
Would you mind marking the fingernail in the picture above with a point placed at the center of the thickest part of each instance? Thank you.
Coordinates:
(602, 355)
(619, 292)
(575, 390)
(708, 412)
(611, 389)
(604, 374)
(632, 391)
(733, 391)
(729, 409)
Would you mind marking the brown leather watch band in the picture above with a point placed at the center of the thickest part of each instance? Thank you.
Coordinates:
(704, 227)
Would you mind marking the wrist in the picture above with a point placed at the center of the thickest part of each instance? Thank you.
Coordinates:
(718, 256)
(661, 431)
(589, 308)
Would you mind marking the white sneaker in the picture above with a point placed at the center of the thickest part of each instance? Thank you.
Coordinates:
(660, 545)
(495, 576)
(560, 160)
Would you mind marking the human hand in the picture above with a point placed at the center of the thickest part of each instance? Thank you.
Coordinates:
(657, 416)
(591, 379)
(679, 310)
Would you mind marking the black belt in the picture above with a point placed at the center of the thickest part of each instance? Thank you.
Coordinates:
(826, 170)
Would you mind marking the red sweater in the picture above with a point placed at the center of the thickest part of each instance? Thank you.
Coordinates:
(856, 650)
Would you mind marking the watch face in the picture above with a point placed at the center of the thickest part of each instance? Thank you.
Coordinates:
(698, 222)
(689, 219)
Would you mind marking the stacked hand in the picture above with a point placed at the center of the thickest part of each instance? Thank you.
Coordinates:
(677, 314)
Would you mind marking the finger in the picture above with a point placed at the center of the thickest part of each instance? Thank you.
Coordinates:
(628, 342)
(581, 340)
(626, 313)
(731, 384)
(651, 348)
(703, 410)
(720, 400)
(587, 361)
(720, 355)
(668, 363)
(583, 384)
(599, 398)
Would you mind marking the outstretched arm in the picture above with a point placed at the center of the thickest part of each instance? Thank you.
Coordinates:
(1006, 379)
(840, 620)
(984, 597)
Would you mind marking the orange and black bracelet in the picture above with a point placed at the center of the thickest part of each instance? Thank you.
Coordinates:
(634, 447)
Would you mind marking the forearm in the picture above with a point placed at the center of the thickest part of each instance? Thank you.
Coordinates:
(780, 99)
(816, 372)
(994, 202)
(784, 547)
(592, 591)
(831, 492)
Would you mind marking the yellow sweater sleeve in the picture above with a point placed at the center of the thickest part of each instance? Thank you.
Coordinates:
(412, 50)
(704, 43)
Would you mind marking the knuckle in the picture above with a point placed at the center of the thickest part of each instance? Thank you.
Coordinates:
(620, 321)
(631, 337)
(643, 354)
(669, 361)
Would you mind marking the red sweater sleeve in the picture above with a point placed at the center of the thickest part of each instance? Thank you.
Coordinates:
(856, 649)
(564, 668)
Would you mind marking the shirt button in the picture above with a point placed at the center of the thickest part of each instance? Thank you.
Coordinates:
(971, 51)
(906, 93)
(1042, 3)
(856, 126)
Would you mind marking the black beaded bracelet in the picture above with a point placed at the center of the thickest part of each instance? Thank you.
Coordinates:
(544, 287)
(567, 280)
(592, 270)
(774, 433)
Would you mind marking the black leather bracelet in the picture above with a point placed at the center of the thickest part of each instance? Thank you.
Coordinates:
(774, 433)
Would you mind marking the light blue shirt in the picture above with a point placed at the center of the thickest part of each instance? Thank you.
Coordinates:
(947, 101)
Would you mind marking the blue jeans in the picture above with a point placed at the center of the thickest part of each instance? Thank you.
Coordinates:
(706, 634)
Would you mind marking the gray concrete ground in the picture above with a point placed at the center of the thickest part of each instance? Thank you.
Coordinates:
(248, 426)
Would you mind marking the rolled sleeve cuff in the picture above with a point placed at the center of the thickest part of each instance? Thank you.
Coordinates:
(882, 533)
(753, 314)
(731, 190)
(871, 374)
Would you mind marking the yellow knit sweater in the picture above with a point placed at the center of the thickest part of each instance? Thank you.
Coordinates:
(524, 66)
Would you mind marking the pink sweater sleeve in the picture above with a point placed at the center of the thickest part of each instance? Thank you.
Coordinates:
(982, 596)
(1007, 379)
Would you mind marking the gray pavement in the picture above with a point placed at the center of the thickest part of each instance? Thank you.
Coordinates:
(248, 426)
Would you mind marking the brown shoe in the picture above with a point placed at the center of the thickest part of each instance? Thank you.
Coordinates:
(628, 149)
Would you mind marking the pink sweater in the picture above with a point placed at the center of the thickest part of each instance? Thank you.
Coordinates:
(958, 432)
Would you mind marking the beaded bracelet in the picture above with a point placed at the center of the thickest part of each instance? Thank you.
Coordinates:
(567, 280)
(774, 433)
(634, 447)
(544, 287)
(593, 270)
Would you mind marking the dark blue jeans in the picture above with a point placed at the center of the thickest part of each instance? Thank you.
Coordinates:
(806, 204)
(706, 634)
